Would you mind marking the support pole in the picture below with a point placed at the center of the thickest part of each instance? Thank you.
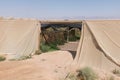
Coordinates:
(68, 35)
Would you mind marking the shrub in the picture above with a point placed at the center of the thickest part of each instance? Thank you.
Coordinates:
(116, 72)
(44, 47)
(72, 77)
(59, 42)
(2, 58)
(38, 52)
(53, 46)
(83, 74)
(48, 47)
(86, 74)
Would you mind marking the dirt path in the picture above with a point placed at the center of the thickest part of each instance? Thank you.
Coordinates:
(70, 46)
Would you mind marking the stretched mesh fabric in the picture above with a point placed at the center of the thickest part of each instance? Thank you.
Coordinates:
(19, 37)
(99, 46)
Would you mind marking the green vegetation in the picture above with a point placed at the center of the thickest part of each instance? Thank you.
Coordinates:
(48, 47)
(2, 58)
(72, 77)
(83, 74)
(74, 35)
(59, 42)
(52, 38)
(87, 74)
(21, 58)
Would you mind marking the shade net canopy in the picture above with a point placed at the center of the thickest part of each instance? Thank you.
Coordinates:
(19, 37)
(99, 46)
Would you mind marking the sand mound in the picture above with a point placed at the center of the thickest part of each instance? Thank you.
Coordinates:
(47, 66)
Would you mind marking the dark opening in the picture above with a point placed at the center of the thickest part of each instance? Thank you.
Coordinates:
(53, 35)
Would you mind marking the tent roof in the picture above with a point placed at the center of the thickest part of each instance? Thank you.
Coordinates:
(99, 45)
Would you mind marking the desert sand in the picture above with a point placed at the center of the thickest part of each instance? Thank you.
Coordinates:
(47, 66)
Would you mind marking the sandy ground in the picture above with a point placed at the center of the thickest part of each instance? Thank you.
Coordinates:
(71, 46)
(47, 66)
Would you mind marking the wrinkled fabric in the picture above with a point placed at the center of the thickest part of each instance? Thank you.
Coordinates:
(99, 46)
(19, 37)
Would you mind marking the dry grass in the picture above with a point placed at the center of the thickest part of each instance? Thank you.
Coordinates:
(38, 52)
(86, 74)
(83, 74)
(116, 72)
(2, 58)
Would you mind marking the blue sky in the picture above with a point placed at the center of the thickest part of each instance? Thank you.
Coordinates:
(59, 8)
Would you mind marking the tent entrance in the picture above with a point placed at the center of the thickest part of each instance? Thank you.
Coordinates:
(61, 34)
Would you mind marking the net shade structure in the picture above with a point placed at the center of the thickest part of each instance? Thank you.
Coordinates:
(19, 37)
(99, 45)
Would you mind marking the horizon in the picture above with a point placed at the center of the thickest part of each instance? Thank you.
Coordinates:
(62, 9)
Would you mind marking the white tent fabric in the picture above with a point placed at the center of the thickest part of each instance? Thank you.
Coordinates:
(99, 46)
(19, 37)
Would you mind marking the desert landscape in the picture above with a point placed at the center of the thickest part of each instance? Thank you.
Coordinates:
(59, 40)
(90, 58)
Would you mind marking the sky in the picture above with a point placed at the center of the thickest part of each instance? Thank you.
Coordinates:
(43, 9)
